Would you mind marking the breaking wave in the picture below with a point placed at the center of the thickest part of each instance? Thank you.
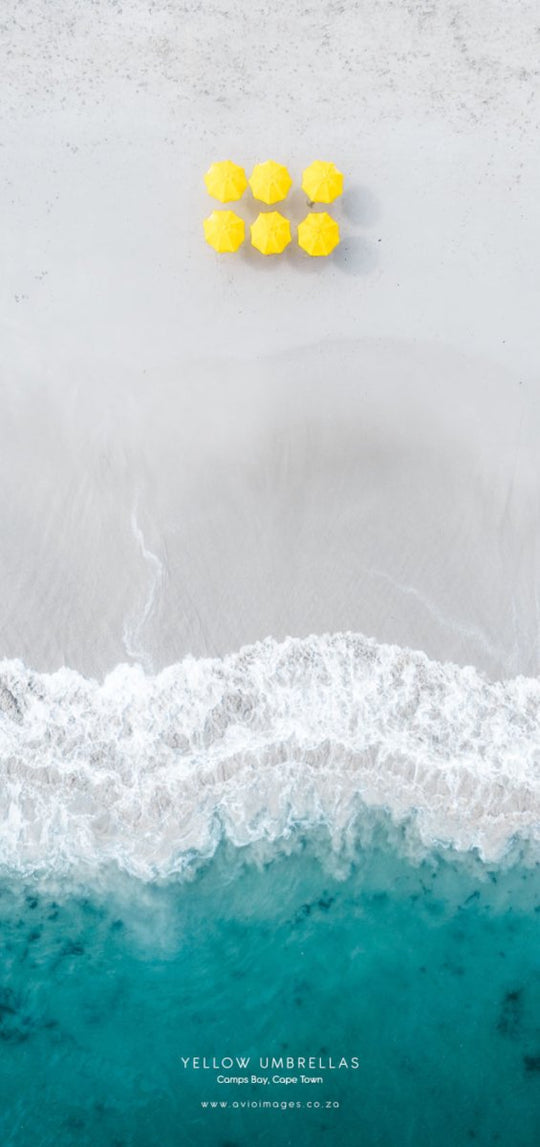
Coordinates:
(150, 772)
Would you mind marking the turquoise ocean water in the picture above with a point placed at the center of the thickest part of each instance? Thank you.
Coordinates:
(321, 849)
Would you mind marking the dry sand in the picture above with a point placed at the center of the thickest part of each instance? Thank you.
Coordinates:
(197, 452)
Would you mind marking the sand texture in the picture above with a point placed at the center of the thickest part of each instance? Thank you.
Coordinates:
(198, 452)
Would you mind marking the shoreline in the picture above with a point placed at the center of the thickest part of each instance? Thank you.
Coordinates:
(149, 771)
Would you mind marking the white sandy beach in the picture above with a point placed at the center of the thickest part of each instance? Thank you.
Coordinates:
(197, 452)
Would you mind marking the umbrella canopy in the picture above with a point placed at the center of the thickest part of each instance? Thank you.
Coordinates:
(270, 181)
(322, 182)
(270, 233)
(225, 181)
(318, 233)
(224, 231)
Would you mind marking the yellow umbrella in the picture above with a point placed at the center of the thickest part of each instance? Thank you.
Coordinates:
(224, 231)
(318, 233)
(270, 181)
(270, 233)
(322, 182)
(225, 181)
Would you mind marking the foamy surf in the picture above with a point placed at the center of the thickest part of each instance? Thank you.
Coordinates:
(150, 772)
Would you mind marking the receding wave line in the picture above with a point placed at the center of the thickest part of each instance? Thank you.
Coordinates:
(150, 771)
(134, 625)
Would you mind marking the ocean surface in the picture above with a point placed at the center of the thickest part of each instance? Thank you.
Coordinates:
(322, 850)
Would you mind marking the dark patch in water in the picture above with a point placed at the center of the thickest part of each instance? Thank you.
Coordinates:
(14, 1027)
(8, 1004)
(532, 1062)
(455, 969)
(13, 1035)
(511, 1013)
(74, 1122)
(325, 902)
(72, 948)
(435, 907)
(407, 1065)
(91, 909)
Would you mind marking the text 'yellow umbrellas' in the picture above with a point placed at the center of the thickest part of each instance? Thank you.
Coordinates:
(270, 233)
(225, 181)
(322, 182)
(270, 181)
(318, 233)
(224, 231)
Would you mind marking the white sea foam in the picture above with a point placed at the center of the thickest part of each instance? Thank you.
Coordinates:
(149, 771)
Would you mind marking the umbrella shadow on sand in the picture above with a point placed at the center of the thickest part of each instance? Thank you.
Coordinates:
(355, 255)
(360, 206)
